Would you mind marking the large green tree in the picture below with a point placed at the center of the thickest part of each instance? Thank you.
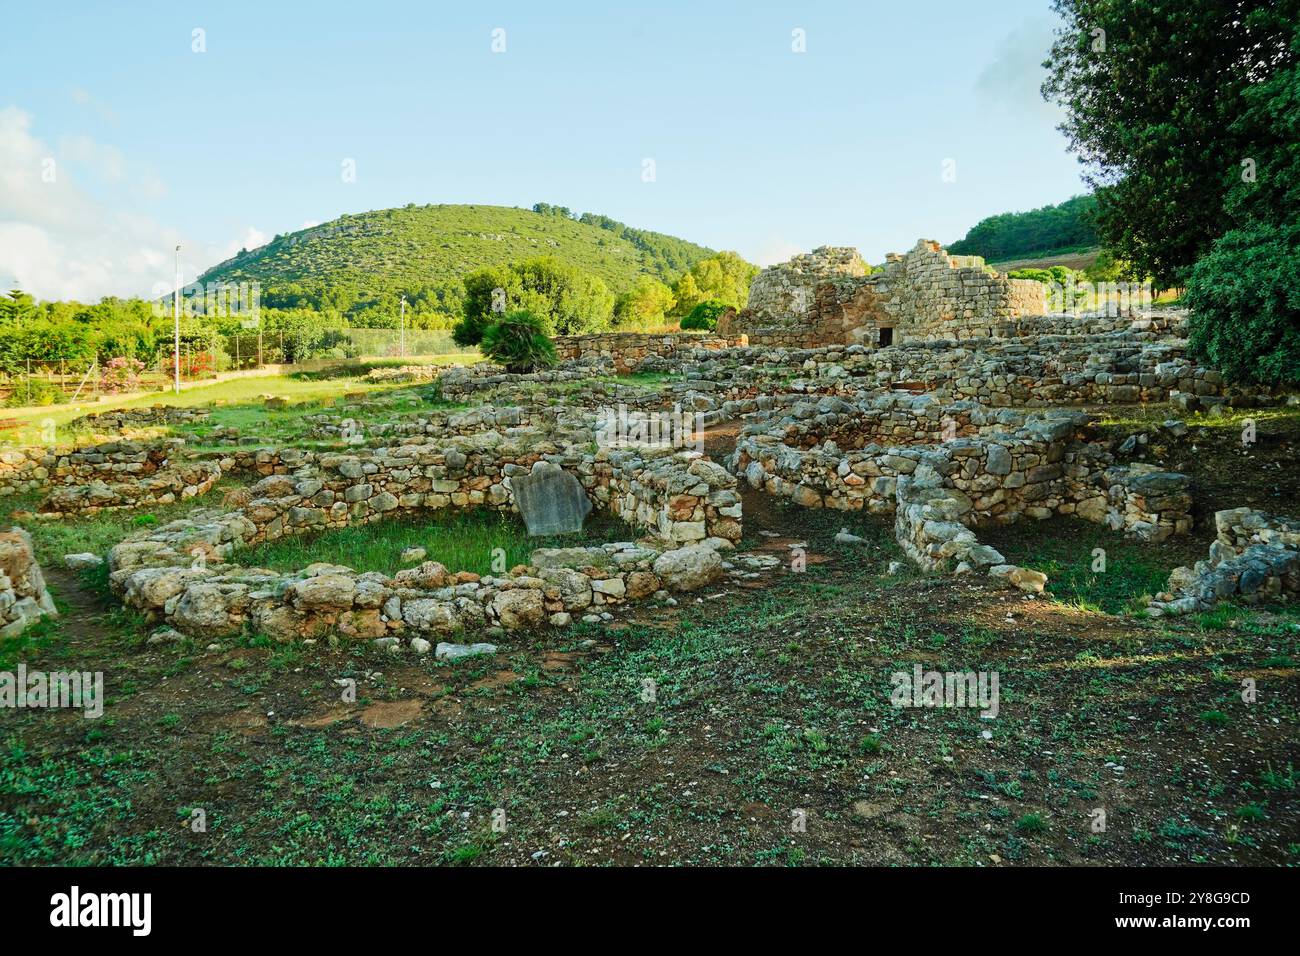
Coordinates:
(645, 305)
(722, 278)
(564, 298)
(1169, 106)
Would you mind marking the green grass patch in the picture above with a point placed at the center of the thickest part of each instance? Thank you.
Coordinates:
(55, 537)
(1066, 550)
(237, 402)
(462, 541)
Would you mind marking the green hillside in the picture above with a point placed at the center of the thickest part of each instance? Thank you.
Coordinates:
(369, 259)
(1049, 231)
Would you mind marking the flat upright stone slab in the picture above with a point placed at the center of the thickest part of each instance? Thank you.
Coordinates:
(551, 500)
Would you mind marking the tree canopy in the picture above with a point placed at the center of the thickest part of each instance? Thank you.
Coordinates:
(1169, 104)
(1036, 233)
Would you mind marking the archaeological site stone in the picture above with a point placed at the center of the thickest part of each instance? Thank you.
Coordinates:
(23, 597)
(551, 500)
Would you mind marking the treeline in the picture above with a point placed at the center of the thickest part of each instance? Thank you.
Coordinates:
(74, 334)
(304, 320)
(429, 305)
(1064, 227)
(569, 301)
(667, 256)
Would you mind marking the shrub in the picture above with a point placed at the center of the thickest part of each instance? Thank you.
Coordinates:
(121, 374)
(518, 341)
(33, 390)
(705, 315)
(1245, 300)
(468, 332)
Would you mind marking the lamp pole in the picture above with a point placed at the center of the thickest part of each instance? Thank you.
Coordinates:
(176, 317)
(402, 345)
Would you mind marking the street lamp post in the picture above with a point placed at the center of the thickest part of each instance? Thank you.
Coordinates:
(402, 344)
(176, 317)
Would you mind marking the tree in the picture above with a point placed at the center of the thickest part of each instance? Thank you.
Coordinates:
(1021, 235)
(15, 306)
(567, 300)
(645, 305)
(704, 316)
(722, 278)
(1154, 93)
(1245, 301)
(477, 306)
(688, 294)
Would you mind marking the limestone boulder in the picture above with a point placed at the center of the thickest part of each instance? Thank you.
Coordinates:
(519, 607)
(689, 568)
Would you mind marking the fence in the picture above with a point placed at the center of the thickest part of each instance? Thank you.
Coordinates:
(54, 382)
(36, 382)
(392, 342)
(248, 350)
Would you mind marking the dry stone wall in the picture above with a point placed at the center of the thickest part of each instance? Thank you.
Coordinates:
(156, 572)
(116, 474)
(120, 419)
(828, 297)
(181, 573)
(1255, 556)
(23, 597)
(943, 470)
(1114, 368)
(625, 351)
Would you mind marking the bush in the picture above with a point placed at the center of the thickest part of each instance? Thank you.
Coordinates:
(33, 390)
(705, 315)
(468, 332)
(1245, 300)
(518, 341)
(121, 374)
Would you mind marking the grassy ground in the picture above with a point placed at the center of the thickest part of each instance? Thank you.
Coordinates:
(769, 697)
(466, 541)
(1225, 472)
(53, 538)
(27, 425)
(1118, 580)
(767, 700)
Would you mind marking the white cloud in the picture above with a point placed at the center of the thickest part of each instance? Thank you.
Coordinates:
(83, 98)
(59, 242)
(104, 162)
(773, 249)
(1014, 77)
(253, 239)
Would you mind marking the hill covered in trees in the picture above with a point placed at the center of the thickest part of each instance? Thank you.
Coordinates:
(1065, 227)
(361, 264)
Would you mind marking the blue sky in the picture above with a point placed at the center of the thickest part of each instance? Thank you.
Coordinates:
(755, 147)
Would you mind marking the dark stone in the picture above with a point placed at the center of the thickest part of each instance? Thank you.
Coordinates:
(551, 500)
(1159, 483)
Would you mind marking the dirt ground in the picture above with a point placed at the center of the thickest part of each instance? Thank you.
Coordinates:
(749, 724)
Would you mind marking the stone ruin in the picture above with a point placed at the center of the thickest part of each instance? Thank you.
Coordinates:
(185, 574)
(23, 596)
(830, 297)
(945, 471)
(934, 392)
(1254, 556)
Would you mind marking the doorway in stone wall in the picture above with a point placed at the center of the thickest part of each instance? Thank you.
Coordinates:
(886, 335)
